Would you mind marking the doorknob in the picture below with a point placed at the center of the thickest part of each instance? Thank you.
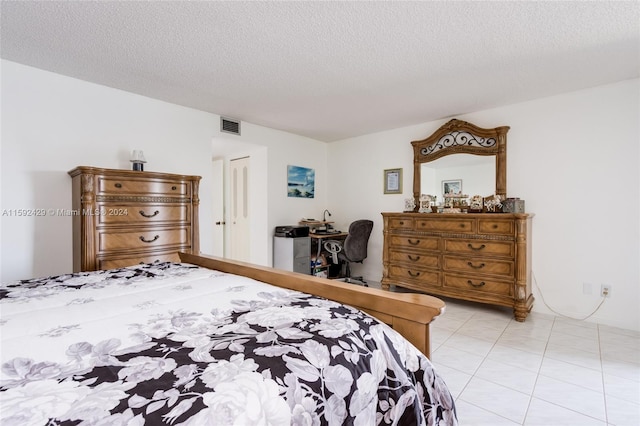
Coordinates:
(221, 223)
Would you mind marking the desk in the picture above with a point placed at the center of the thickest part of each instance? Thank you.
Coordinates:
(319, 238)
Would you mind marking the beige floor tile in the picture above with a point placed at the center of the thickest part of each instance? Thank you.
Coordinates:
(515, 357)
(571, 373)
(470, 344)
(572, 397)
(512, 377)
(469, 414)
(542, 413)
(621, 388)
(574, 356)
(622, 413)
(466, 362)
(622, 369)
(496, 399)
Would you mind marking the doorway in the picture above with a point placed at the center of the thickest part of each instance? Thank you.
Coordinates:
(219, 222)
(239, 230)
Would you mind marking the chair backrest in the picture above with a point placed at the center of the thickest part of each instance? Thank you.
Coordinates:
(355, 245)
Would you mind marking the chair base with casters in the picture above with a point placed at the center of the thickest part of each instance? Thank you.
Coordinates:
(353, 280)
(353, 249)
(350, 279)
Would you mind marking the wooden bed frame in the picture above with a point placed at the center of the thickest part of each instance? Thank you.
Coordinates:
(410, 314)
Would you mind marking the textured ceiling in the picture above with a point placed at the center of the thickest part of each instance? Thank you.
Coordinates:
(330, 70)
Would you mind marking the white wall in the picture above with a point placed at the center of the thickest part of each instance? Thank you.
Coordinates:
(573, 158)
(52, 123)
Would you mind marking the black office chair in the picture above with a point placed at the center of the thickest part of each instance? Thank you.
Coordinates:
(354, 247)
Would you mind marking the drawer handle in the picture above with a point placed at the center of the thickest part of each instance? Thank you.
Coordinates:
(476, 248)
(157, 212)
(414, 274)
(173, 188)
(412, 242)
(495, 226)
(462, 225)
(480, 266)
(149, 241)
(472, 284)
(411, 258)
(118, 185)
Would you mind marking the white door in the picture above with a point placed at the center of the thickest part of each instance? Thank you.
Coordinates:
(239, 215)
(218, 208)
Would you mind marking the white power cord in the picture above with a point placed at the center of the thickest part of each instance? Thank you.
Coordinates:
(535, 282)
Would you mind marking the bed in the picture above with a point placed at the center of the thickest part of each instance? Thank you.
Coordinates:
(214, 341)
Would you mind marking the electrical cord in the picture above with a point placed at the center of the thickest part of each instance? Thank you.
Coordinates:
(535, 282)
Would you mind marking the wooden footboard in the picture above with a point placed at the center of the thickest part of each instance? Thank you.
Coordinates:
(408, 313)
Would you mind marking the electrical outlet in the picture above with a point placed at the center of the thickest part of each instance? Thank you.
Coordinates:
(605, 290)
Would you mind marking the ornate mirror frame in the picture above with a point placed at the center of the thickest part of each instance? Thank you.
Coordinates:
(461, 137)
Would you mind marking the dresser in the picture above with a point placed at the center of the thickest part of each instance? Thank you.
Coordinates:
(477, 257)
(124, 217)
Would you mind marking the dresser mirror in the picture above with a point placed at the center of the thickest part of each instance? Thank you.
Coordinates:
(477, 173)
(462, 151)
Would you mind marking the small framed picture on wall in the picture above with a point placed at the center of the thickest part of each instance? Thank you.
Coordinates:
(393, 181)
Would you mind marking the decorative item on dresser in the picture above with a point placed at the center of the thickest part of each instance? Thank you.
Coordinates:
(472, 256)
(127, 217)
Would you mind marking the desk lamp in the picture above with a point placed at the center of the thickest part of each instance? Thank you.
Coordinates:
(324, 218)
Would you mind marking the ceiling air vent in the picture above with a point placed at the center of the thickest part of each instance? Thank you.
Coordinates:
(228, 125)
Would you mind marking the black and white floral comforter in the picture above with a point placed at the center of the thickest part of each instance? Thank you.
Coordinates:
(177, 344)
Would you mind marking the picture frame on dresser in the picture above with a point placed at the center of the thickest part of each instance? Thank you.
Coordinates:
(453, 186)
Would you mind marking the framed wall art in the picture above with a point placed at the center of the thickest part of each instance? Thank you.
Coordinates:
(393, 181)
(301, 182)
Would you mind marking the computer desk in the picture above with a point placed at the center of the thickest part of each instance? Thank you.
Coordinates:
(320, 237)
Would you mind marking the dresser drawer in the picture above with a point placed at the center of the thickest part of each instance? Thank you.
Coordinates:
(113, 263)
(413, 242)
(415, 274)
(480, 247)
(497, 226)
(144, 187)
(414, 259)
(479, 265)
(477, 284)
(109, 240)
(445, 225)
(401, 223)
(140, 214)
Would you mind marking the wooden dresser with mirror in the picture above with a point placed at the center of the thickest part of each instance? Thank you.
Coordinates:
(480, 257)
(128, 217)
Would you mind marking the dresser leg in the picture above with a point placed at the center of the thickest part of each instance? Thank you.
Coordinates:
(521, 310)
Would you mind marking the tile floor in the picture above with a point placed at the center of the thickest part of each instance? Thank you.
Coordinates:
(548, 371)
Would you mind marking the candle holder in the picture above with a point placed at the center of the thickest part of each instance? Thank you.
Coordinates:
(137, 160)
